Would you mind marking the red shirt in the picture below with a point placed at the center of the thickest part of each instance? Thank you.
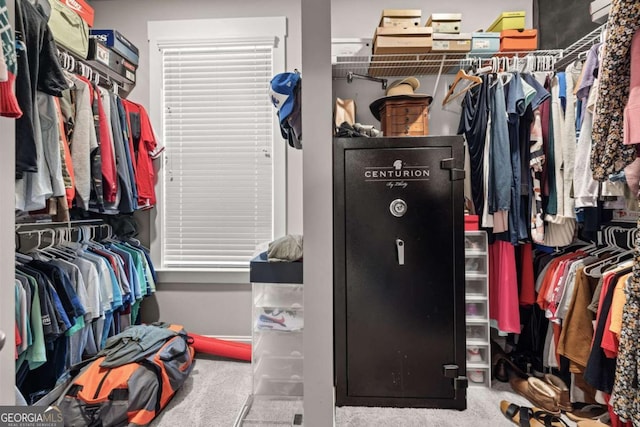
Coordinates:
(143, 158)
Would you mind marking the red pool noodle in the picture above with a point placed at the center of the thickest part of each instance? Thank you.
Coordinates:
(222, 348)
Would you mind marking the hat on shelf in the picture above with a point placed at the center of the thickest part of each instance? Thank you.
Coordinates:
(403, 88)
(282, 93)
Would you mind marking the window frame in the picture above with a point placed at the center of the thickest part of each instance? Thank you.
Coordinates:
(223, 30)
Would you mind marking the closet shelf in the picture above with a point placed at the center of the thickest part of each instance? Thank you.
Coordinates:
(106, 74)
(423, 64)
(572, 52)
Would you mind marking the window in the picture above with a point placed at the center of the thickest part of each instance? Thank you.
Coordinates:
(222, 183)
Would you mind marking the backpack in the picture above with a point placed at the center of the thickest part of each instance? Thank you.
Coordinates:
(132, 393)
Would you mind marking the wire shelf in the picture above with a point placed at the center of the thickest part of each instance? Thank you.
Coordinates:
(572, 52)
(428, 63)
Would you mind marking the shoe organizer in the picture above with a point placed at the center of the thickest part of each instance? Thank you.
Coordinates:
(476, 310)
(279, 368)
(476, 287)
(477, 355)
(282, 320)
(474, 243)
(278, 387)
(477, 333)
(271, 344)
(271, 295)
(478, 377)
(475, 265)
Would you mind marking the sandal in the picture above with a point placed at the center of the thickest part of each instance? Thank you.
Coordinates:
(530, 417)
(587, 412)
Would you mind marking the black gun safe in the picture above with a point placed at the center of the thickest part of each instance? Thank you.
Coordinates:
(399, 321)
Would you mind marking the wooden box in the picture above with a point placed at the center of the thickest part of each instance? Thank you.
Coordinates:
(405, 117)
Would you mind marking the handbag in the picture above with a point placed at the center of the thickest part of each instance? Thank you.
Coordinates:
(69, 30)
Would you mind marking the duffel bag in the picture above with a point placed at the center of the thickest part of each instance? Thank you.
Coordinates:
(132, 380)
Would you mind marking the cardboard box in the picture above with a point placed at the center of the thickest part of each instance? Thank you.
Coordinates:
(508, 21)
(599, 10)
(444, 42)
(403, 18)
(485, 42)
(393, 40)
(118, 43)
(351, 47)
(102, 54)
(83, 9)
(516, 40)
(445, 22)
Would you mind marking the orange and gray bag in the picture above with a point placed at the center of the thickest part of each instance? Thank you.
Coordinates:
(131, 380)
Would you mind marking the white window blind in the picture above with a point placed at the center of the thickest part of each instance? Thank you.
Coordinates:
(218, 125)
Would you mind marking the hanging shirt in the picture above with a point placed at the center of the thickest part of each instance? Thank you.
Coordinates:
(473, 124)
(145, 146)
(38, 69)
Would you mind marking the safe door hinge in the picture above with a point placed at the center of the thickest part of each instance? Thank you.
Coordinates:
(451, 371)
(454, 173)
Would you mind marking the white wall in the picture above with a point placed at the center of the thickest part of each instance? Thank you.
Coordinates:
(7, 218)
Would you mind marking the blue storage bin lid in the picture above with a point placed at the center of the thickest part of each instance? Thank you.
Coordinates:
(485, 35)
(263, 271)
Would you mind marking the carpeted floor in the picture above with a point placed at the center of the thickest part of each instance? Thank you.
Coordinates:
(214, 395)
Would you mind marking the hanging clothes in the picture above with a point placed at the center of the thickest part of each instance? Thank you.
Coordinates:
(473, 124)
(609, 154)
(69, 300)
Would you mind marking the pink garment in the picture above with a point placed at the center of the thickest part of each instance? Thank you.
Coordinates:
(503, 287)
(632, 110)
(500, 221)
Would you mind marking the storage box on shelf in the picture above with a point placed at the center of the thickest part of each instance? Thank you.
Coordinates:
(477, 309)
(445, 42)
(518, 40)
(402, 18)
(101, 54)
(599, 10)
(508, 21)
(485, 43)
(445, 22)
(397, 40)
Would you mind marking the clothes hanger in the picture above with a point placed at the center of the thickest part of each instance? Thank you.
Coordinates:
(461, 76)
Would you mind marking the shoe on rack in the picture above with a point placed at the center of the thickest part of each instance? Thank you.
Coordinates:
(474, 355)
(476, 376)
(280, 320)
(533, 417)
(472, 309)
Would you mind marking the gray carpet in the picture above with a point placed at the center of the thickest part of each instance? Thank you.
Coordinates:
(215, 392)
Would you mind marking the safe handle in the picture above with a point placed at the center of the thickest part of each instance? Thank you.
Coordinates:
(400, 250)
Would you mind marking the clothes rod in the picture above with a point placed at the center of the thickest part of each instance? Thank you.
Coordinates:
(72, 223)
